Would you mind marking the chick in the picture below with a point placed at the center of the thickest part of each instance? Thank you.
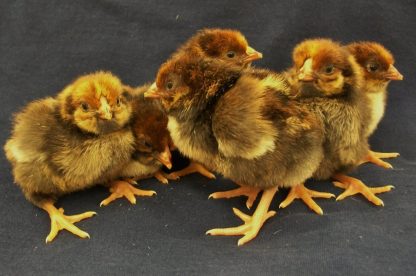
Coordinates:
(229, 46)
(327, 79)
(152, 147)
(223, 44)
(377, 67)
(71, 142)
(236, 125)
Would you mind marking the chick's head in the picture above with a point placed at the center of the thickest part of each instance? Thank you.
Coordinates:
(224, 44)
(96, 103)
(152, 136)
(323, 64)
(377, 64)
(185, 83)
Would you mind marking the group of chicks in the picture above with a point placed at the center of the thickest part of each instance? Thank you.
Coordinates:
(262, 129)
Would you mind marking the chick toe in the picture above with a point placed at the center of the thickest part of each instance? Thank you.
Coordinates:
(252, 224)
(306, 195)
(122, 188)
(354, 186)
(250, 192)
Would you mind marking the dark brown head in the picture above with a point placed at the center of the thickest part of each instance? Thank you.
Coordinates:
(149, 126)
(377, 64)
(184, 83)
(224, 44)
(95, 103)
(323, 64)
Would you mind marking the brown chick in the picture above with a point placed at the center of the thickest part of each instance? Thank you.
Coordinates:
(229, 46)
(237, 126)
(152, 147)
(377, 65)
(71, 142)
(328, 81)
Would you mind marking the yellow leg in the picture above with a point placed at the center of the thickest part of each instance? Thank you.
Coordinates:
(121, 188)
(250, 192)
(353, 186)
(375, 158)
(59, 221)
(193, 167)
(252, 224)
(300, 191)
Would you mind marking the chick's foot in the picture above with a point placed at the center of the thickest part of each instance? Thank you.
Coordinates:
(375, 158)
(252, 224)
(60, 221)
(353, 186)
(162, 177)
(122, 188)
(193, 167)
(306, 195)
(250, 192)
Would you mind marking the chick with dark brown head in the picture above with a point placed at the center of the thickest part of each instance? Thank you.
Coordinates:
(151, 148)
(69, 143)
(377, 65)
(239, 127)
(328, 81)
(231, 47)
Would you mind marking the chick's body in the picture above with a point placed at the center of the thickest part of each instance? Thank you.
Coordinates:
(71, 142)
(240, 127)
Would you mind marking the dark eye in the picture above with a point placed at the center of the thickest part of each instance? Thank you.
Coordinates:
(84, 106)
(147, 144)
(231, 54)
(118, 102)
(169, 85)
(372, 67)
(329, 69)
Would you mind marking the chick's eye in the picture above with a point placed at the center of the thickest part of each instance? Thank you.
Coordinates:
(230, 54)
(372, 67)
(329, 69)
(84, 106)
(169, 85)
(118, 102)
(147, 144)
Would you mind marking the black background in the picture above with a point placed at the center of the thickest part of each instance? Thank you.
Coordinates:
(44, 45)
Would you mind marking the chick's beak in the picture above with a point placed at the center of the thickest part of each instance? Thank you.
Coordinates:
(104, 112)
(152, 92)
(393, 74)
(252, 55)
(306, 72)
(165, 158)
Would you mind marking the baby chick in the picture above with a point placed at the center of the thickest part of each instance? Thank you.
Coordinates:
(152, 147)
(69, 143)
(236, 125)
(377, 67)
(229, 46)
(328, 81)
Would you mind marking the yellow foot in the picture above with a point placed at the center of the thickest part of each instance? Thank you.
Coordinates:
(252, 224)
(250, 192)
(59, 221)
(353, 186)
(193, 167)
(375, 158)
(122, 188)
(300, 191)
(161, 176)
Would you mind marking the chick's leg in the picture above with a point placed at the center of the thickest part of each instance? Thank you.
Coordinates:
(353, 186)
(252, 224)
(375, 158)
(250, 192)
(60, 221)
(193, 167)
(121, 188)
(300, 191)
